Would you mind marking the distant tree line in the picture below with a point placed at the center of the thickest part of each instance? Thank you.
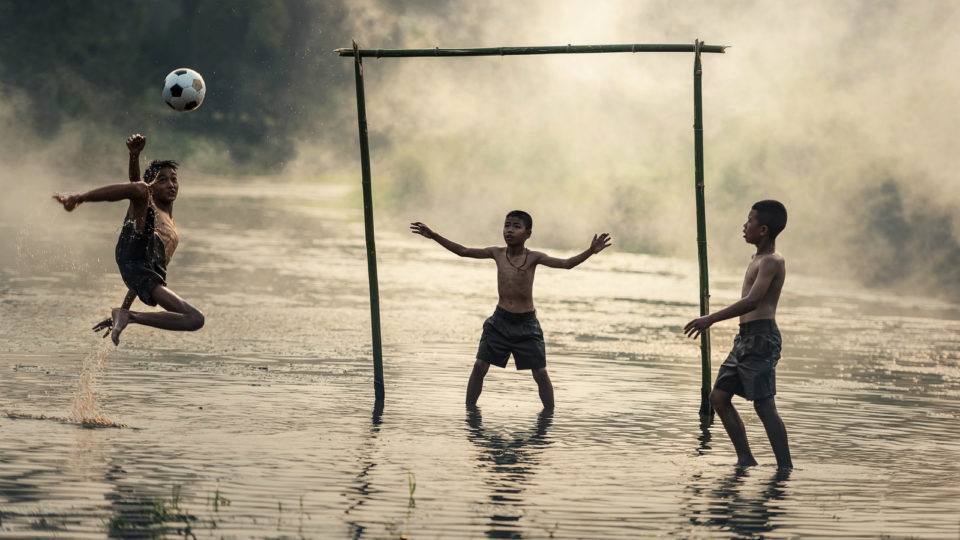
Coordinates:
(101, 64)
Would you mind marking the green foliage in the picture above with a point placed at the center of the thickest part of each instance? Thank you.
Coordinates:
(905, 246)
(154, 520)
(103, 64)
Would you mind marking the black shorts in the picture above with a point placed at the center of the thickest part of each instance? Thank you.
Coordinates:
(750, 368)
(506, 333)
(142, 277)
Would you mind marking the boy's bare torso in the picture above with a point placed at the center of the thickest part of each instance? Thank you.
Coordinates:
(767, 309)
(166, 229)
(515, 279)
(163, 226)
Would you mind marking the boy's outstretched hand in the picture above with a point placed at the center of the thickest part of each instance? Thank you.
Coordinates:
(69, 202)
(600, 243)
(694, 328)
(419, 228)
(135, 143)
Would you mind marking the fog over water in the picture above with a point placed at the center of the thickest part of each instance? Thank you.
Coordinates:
(842, 110)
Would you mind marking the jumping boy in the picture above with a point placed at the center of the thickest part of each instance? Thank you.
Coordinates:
(749, 370)
(135, 145)
(513, 328)
(146, 245)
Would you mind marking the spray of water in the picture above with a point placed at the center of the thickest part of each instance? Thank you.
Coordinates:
(85, 410)
(86, 399)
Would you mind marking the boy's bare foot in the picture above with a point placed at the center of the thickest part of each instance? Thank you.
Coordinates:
(120, 319)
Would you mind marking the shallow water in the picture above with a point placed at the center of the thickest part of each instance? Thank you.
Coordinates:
(263, 425)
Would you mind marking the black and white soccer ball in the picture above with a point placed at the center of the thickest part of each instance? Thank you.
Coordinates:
(183, 89)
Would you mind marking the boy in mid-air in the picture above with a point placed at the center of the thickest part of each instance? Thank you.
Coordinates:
(147, 242)
(749, 370)
(513, 328)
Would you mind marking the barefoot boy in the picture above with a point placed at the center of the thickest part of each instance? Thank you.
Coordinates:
(147, 242)
(135, 145)
(513, 328)
(749, 370)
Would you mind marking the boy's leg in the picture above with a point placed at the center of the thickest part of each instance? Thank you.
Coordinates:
(179, 315)
(475, 384)
(546, 388)
(734, 426)
(776, 432)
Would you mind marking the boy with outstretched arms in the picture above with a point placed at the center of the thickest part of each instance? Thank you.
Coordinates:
(749, 370)
(135, 145)
(513, 328)
(148, 239)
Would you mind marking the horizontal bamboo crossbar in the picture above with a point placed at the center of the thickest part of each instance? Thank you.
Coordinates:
(515, 51)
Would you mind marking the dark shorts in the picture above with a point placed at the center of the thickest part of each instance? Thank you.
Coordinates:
(750, 369)
(142, 278)
(506, 333)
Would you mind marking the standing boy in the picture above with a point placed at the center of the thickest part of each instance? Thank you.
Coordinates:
(749, 370)
(148, 239)
(513, 328)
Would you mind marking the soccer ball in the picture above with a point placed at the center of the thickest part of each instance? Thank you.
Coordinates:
(183, 89)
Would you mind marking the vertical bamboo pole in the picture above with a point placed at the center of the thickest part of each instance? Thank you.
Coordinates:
(368, 228)
(706, 411)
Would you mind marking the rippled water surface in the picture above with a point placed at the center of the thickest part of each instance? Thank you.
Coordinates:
(262, 424)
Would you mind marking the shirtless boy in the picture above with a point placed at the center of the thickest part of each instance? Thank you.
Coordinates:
(749, 370)
(513, 328)
(147, 242)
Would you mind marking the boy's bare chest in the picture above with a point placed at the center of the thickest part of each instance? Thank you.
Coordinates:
(166, 229)
(753, 269)
(516, 276)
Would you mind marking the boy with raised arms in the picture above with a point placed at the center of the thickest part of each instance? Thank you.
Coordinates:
(148, 239)
(513, 328)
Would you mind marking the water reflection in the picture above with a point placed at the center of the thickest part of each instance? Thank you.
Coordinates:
(510, 462)
(705, 437)
(733, 506)
(362, 492)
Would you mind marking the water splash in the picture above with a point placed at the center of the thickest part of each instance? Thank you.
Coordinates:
(86, 399)
(95, 423)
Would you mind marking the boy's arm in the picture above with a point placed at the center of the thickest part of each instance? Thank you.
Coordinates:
(135, 191)
(135, 144)
(768, 270)
(474, 253)
(598, 244)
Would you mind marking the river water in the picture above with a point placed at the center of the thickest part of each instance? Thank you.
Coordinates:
(263, 425)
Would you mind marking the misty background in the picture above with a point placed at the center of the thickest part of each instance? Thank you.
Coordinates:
(844, 111)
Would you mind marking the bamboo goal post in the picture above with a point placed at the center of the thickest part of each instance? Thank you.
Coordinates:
(697, 48)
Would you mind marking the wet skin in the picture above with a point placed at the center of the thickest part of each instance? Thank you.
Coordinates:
(516, 266)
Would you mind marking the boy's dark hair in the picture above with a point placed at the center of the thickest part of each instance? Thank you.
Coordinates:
(154, 167)
(525, 217)
(772, 214)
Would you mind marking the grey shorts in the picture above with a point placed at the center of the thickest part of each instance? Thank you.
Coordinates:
(750, 368)
(506, 333)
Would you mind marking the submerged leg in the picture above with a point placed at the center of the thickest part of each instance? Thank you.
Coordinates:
(179, 315)
(545, 387)
(776, 431)
(734, 426)
(475, 384)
